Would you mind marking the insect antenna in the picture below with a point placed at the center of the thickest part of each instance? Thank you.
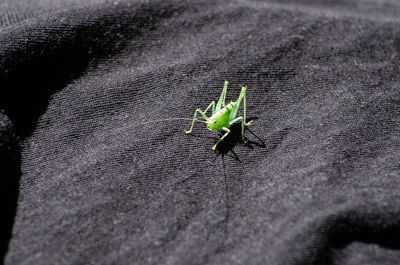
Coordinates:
(155, 121)
(171, 119)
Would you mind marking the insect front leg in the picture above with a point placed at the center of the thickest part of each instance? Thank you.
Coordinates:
(212, 106)
(223, 136)
(202, 113)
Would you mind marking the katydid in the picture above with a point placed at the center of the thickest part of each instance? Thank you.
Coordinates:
(223, 116)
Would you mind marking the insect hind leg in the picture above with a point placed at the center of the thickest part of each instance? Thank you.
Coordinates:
(244, 123)
(221, 101)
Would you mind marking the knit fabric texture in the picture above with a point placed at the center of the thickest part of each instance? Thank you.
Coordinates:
(91, 173)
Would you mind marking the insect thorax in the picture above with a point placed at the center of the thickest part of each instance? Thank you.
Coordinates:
(221, 118)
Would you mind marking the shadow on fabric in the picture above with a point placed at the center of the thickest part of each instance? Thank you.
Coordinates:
(227, 146)
(9, 181)
(344, 230)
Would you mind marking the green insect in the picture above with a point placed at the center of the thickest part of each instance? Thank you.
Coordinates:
(223, 116)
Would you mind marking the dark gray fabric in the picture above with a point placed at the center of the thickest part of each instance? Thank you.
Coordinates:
(99, 183)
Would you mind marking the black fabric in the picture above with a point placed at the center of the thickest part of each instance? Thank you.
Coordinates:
(89, 176)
